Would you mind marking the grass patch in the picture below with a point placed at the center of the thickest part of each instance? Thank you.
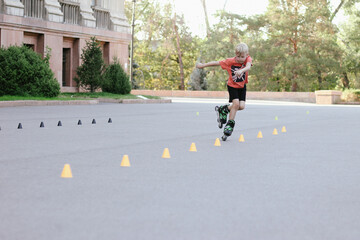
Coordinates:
(75, 96)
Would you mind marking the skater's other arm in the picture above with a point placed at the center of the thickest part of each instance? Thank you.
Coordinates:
(209, 64)
(245, 69)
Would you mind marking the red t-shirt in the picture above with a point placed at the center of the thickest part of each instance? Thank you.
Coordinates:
(231, 66)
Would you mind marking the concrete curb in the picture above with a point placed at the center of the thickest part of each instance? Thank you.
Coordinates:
(22, 103)
(132, 101)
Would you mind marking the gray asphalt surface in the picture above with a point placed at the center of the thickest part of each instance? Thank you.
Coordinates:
(302, 184)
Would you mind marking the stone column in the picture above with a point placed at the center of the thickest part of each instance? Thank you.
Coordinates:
(117, 16)
(11, 37)
(328, 97)
(13, 7)
(86, 13)
(55, 42)
(53, 11)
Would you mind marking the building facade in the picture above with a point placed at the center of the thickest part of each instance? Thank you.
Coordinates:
(64, 26)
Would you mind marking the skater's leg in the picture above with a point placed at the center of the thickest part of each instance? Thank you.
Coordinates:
(242, 105)
(234, 108)
(222, 112)
(229, 128)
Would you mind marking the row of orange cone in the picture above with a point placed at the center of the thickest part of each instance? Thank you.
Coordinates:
(242, 139)
(66, 173)
(125, 162)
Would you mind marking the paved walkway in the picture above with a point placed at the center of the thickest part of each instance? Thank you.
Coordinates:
(302, 184)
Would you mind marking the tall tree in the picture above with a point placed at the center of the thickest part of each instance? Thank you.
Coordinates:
(164, 48)
(349, 40)
(302, 30)
(203, 2)
(179, 53)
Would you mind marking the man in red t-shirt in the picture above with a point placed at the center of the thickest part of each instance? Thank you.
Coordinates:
(237, 68)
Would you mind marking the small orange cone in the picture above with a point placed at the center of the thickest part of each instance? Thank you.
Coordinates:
(283, 129)
(166, 153)
(259, 135)
(193, 148)
(275, 132)
(241, 138)
(125, 161)
(66, 172)
(217, 142)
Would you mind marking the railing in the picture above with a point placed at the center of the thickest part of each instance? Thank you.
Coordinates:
(102, 17)
(33, 8)
(71, 11)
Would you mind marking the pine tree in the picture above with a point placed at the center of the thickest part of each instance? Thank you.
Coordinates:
(89, 74)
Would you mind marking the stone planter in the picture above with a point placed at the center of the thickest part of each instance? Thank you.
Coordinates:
(327, 97)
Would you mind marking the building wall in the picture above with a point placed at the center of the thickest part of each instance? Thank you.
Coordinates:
(64, 27)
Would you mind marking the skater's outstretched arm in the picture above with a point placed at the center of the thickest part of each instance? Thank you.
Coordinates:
(209, 64)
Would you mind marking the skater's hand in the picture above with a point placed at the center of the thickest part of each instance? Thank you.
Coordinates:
(239, 73)
(200, 65)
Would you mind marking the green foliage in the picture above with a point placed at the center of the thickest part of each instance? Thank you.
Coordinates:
(89, 74)
(351, 95)
(294, 46)
(155, 47)
(24, 73)
(349, 41)
(116, 80)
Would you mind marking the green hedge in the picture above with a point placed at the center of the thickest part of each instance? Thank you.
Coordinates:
(116, 80)
(24, 73)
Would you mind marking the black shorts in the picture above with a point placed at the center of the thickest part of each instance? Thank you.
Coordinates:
(237, 93)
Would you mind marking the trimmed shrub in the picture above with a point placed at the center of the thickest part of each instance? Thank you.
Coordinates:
(116, 80)
(23, 72)
(89, 74)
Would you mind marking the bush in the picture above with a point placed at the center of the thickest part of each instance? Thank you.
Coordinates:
(351, 95)
(23, 72)
(116, 80)
(89, 74)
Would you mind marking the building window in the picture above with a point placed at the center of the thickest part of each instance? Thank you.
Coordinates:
(33, 8)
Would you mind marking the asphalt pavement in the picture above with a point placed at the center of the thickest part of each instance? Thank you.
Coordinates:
(299, 184)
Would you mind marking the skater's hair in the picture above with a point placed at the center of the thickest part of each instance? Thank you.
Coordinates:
(242, 48)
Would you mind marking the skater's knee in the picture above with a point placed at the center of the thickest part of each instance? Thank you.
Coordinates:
(236, 104)
(241, 105)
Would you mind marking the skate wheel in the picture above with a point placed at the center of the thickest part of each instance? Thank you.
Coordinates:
(224, 138)
(220, 125)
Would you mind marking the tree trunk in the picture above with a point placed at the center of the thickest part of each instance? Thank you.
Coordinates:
(345, 81)
(181, 65)
(294, 86)
(206, 18)
(319, 78)
(336, 10)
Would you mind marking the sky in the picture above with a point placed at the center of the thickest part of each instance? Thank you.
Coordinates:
(194, 13)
